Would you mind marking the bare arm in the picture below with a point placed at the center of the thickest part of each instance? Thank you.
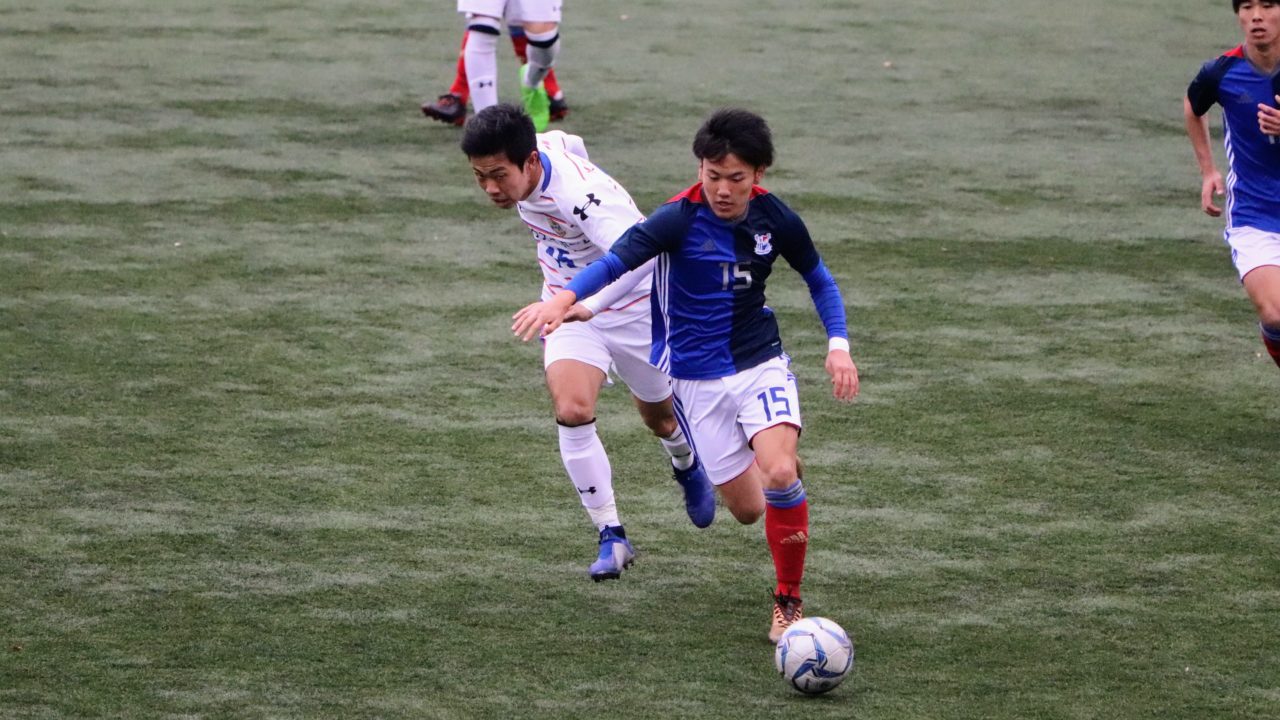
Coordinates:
(1210, 179)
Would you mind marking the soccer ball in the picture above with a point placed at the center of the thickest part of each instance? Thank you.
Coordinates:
(814, 655)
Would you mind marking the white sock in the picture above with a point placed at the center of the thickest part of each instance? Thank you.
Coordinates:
(678, 448)
(543, 50)
(480, 57)
(589, 471)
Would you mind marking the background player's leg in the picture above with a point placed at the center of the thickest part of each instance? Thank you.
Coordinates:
(480, 58)
(451, 107)
(1263, 286)
(520, 43)
(459, 87)
(544, 48)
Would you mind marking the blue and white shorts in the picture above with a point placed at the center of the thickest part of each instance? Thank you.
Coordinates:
(1252, 248)
(721, 416)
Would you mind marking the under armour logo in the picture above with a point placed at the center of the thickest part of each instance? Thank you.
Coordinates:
(582, 211)
(589, 491)
(484, 83)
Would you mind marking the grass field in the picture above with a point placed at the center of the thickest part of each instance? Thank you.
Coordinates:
(267, 449)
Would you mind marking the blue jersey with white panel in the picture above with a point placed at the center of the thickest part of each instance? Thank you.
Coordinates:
(1253, 181)
(709, 314)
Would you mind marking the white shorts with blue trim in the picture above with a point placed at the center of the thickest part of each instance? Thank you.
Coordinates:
(1252, 248)
(514, 10)
(721, 416)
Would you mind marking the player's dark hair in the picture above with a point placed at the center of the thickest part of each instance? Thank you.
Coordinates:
(737, 131)
(501, 128)
(1235, 5)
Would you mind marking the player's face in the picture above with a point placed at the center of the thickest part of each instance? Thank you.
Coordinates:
(727, 183)
(1260, 22)
(502, 181)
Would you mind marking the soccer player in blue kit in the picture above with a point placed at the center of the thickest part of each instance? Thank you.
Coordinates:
(716, 243)
(1245, 81)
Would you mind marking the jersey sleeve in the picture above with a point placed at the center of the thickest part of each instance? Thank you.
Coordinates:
(1203, 90)
(801, 254)
(561, 140)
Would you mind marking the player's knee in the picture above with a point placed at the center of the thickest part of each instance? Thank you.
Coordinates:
(572, 413)
(662, 428)
(1269, 314)
(779, 472)
(659, 417)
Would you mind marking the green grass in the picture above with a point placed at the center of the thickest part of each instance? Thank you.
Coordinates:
(267, 449)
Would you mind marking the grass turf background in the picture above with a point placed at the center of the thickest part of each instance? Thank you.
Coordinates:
(267, 449)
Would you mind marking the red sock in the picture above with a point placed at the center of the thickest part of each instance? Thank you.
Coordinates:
(520, 43)
(459, 86)
(787, 530)
(551, 84)
(1272, 344)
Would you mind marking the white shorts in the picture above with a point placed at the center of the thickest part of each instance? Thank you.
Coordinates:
(623, 345)
(1252, 248)
(514, 10)
(721, 416)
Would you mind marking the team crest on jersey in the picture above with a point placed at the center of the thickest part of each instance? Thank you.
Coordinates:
(763, 246)
(557, 227)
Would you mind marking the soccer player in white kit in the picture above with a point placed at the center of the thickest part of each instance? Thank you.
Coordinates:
(575, 212)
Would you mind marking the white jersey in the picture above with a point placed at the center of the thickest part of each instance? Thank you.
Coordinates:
(575, 215)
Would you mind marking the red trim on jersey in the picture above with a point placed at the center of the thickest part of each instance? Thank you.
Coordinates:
(1236, 52)
(693, 193)
(570, 157)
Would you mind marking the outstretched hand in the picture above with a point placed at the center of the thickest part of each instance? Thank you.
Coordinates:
(844, 375)
(542, 318)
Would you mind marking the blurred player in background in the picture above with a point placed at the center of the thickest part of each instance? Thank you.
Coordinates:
(1246, 83)
(535, 33)
(451, 107)
(716, 243)
(575, 212)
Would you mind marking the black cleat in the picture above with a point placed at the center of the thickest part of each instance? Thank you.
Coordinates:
(447, 108)
(559, 109)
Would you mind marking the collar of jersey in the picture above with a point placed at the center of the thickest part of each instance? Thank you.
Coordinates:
(546, 170)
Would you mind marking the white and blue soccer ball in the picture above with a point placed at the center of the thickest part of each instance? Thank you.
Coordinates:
(814, 655)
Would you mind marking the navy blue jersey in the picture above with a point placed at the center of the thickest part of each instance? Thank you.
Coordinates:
(710, 319)
(1253, 181)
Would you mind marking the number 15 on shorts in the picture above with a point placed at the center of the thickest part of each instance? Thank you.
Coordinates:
(775, 403)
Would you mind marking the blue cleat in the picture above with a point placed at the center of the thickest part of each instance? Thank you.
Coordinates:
(616, 554)
(699, 497)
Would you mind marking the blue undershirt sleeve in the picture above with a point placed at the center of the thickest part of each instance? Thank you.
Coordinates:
(596, 275)
(827, 299)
